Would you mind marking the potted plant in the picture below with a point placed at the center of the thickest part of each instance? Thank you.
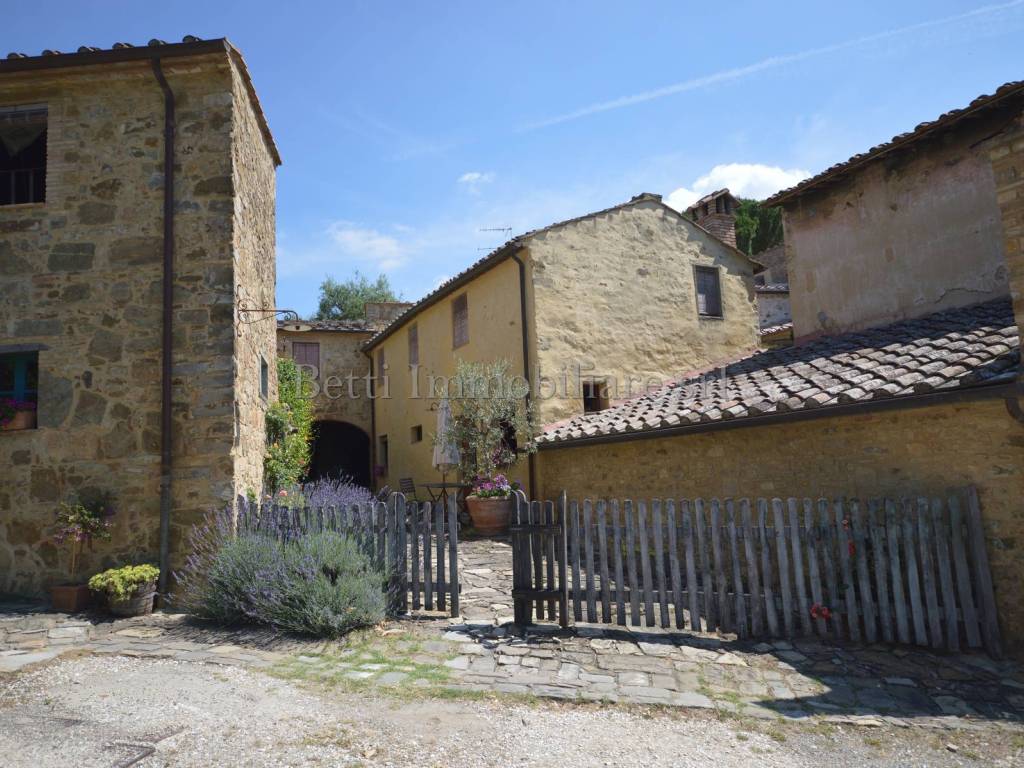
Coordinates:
(129, 590)
(79, 524)
(493, 425)
(17, 414)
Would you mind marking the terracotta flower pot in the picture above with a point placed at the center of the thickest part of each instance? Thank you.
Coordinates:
(70, 598)
(491, 516)
(21, 420)
(139, 604)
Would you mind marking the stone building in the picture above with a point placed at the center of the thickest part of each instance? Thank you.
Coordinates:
(899, 386)
(136, 265)
(590, 311)
(330, 353)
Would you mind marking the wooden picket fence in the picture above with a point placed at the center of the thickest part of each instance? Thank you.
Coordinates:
(911, 570)
(410, 541)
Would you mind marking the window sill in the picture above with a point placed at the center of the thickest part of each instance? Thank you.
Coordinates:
(22, 206)
(710, 317)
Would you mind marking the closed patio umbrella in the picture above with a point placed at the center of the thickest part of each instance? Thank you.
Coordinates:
(446, 453)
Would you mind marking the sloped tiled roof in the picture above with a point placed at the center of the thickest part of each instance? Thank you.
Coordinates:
(347, 326)
(772, 288)
(950, 350)
(776, 329)
(902, 140)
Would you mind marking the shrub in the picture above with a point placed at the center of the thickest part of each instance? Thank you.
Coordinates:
(289, 428)
(122, 583)
(320, 584)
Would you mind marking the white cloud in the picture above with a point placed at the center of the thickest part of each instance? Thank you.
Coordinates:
(754, 180)
(365, 244)
(471, 181)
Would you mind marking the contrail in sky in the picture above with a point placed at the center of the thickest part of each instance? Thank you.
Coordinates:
(760, 66)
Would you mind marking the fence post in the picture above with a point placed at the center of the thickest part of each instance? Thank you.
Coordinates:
(563, 581)
(453, 552)
(520, 564)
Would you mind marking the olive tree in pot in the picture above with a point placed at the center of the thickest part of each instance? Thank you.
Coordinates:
(79, 523)
(493, 425)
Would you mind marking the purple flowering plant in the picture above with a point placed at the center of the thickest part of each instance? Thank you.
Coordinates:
(9, 408)
(495, 487)
(81, 522)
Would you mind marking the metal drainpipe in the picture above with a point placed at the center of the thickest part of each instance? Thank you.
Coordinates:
(526, 362)
(166, 363)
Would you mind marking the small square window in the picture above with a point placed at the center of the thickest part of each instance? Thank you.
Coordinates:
(23, 155)
(460, 321)
(416, 434)
(264, 378)
(709, 291)
(595, 396)
(19, 390)
(414, 345)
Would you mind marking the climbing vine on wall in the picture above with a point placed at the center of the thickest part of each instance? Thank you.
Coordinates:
(289, 429)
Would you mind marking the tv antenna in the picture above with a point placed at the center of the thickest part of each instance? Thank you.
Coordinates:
(507, 230)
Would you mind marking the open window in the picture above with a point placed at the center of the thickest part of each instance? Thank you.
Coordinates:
(19, 390)
(595, 396)
(23, 155)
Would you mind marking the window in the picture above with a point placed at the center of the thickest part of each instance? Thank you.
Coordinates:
(307, 353)
(709, 292)
(19, 381)
(460, 321)
(595, 396)
(264, 378)
(22, 155)
(381, 363)
(416, 434)
(382, 457)
(414, 345)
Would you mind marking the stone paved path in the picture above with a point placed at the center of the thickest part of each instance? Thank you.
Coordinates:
(479, 651)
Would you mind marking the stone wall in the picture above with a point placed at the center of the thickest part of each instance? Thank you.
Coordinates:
(1006, 153)
(80, 275)
(909, 234)
(910, 451)
(615, 295)
(773, 308)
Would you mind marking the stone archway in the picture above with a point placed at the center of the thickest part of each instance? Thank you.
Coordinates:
(340, 448)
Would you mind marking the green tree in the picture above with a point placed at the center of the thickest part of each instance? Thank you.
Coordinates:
(757, 227)
(289, 429)
(345, 301)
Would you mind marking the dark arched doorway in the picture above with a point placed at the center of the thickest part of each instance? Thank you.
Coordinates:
(340, 449)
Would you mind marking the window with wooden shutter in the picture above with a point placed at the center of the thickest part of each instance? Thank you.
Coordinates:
(380, 363)
(307, 353)
(414, 345)
(709, 292)
(23, 154)
(460, 321)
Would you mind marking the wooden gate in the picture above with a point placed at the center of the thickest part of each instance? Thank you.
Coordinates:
(894, 570)
(408, 540)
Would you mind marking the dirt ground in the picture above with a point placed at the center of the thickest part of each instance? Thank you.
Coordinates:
(122, 711)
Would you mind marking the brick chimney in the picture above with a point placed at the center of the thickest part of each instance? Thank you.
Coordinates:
(717, 214)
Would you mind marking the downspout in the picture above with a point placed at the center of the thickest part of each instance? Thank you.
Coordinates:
(166, 458)
(526, 362)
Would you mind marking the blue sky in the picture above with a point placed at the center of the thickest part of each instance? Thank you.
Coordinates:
(407, 128)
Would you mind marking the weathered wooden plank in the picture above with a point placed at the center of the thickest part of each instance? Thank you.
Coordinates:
(782, 550)
(520, 579)
(765, 539)
(408, 509)
(982, 575)
(645, 563)
(428, 557)
(876, 527)
(549, 539)
(442, 597)
(659, 561)
(908, 531)
(799, 575)
(845, 547)
(963, 574)
(634, 591)
(574, 560)
(691, 566)
(453, 555)
(379, 532)
(813, 537)
(940, 534)
(563, 554)
(414, 552)
(537, 555)
(931, 597)
(700, 525)
(827, 539)
(620, 584)
(742, 623)
(602, 556)
(720, 581)
(588, 547)
(899, 598)
(753, 572)
(673, 560)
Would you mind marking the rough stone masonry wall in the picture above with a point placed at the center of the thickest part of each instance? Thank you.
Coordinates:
(81, 274)
(615, 293)
(911, 451)
(1006, 154)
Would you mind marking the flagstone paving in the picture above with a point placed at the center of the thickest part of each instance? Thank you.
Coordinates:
(480, 652)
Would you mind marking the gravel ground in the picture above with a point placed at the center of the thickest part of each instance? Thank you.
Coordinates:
(111, 711)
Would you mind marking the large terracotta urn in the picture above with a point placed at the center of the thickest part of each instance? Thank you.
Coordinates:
(491, 516)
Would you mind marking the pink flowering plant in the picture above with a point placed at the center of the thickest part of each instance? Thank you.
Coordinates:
(9, 408)
(80, 523)
(497, 487)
